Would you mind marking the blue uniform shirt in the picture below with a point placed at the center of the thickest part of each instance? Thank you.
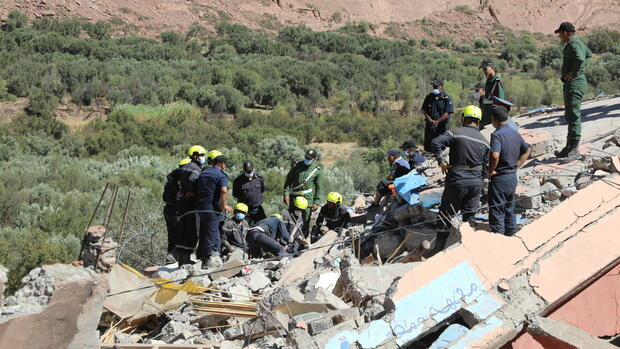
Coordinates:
(436, 107)
(210, 182)
(510, 145)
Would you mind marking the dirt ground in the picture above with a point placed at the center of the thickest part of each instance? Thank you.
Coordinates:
(331, 152)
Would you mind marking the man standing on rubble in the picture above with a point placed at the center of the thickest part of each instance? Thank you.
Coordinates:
(248, 188)
(172, 197)
(437, 107)
(270, 235)
(493, 89)
(576, 55)
(189, 178)
(305, 179)
(508, 152)
(469, 155)
(212, 196)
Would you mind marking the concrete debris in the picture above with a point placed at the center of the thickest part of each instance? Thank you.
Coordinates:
(258, 281)
(364, 282)
(98, 251)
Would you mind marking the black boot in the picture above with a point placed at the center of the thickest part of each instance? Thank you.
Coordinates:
(573, 153)
(562, 153)
(184, 257)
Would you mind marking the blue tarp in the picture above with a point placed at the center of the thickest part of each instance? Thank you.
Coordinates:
(406, 186)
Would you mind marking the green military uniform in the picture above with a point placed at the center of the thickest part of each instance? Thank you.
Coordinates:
(576, 54)
(306, 181)
(494, 86)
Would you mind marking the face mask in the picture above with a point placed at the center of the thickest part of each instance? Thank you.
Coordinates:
(307, 162)
(249, 174)
(476, 95)
(405, 154)
(202, 160)
(436, 91)
(239, 216)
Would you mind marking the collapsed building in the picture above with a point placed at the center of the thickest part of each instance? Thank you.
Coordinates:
(381, 283)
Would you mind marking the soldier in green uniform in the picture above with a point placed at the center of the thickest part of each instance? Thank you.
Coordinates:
(575, 55)
(493, 87)
(305, 179)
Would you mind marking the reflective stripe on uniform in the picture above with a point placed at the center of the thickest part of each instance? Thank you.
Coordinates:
(302, 192)
(306, 180)
(472, 139)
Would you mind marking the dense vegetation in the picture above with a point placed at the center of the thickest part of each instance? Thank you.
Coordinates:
(284, 90)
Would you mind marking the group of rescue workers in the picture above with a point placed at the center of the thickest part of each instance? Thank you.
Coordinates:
(196, 192)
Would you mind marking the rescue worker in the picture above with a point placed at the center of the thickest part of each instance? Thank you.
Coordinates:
(437, 107)
(249, 188)
(477, 93)
(575, 57)
(411, 154)
(508, 153)
(269, 234)
(189, 179)
(294, 218)
(235, 229)
(212, 196)
(399, 168)
(172, 197)
(211, 155)
(305, 179)
(332, 216)
(493, 87)
(469, 156)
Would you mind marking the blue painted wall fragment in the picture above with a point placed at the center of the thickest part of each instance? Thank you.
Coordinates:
(406, 187)
(437, 300)
(477, 332)
(450, 334)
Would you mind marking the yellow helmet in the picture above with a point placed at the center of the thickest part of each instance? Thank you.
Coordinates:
(278, 216)
(196, 149)
(334, 197)
(301, 202)
(471, 111)
(241, 207)
(185, 161)
(213, 154)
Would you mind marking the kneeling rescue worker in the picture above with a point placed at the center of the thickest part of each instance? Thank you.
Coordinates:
(332, 216)
(235, 229)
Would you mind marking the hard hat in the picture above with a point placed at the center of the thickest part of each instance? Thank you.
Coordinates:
(471, 111)
(213, 154)
(241, 207)
(196, 149)
(334, 197)
(185, 161)
(301, 202)
(278, 216)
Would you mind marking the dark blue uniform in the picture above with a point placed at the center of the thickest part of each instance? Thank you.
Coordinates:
(188, 179)
(510, 145)
(469, 156)
(270, 234)
(210, 183)
(250, 192)
(435, 106)
(172, 197)
(415, 160)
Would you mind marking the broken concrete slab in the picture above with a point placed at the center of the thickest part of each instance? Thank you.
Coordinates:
(228, 270)
(257, 281)
(539, 326)
(368, 281)
(304, 264)
(74, 310)
(320, 295)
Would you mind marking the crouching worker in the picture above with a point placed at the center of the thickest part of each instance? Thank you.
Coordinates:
(235, 229)
(269, 235)
(399, 168)
(333, 216)
(294, 218)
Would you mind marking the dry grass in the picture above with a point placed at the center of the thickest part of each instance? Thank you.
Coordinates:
(331, 152)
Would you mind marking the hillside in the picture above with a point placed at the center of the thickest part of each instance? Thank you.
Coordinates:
(459, 19)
